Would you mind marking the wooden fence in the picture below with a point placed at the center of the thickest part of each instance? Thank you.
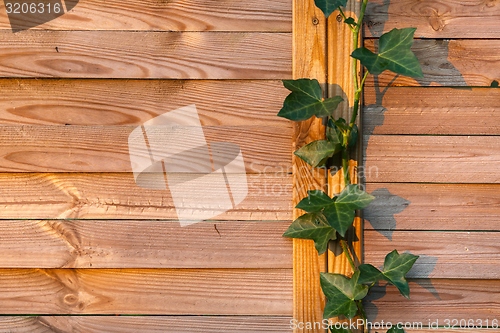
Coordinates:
(78, 237)
(84, 249)
(432, 160)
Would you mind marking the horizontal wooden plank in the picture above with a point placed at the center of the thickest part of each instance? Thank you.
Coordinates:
(433, 207)
(47, 148)
(133, 102)
(454, 63)
(449, 111)
(434, 299)
(435, 18)
(146, 324)
(153, 291)
(122, 54)
(177, 15)
(453, 255)
(449, 329)
(143, 244)
(437, 159)
(116, 196)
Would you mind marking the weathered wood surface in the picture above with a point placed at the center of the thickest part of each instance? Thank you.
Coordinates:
(149, 324)
(116, 196)
(436, 299)
(436, 159)
(456, 63)
(122, 54)
(341, 83)
(46, 148)
(176, 15)
(452, 330)
(451, 255)
(309, 60)
(439, 111)
(143, 244)
(133, 102)
(433, 207)
(261, 292)
(435, 18)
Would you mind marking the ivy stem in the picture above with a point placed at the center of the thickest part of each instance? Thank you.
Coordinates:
(345, 167)
(345, 249)
(358, 86)
(362, 312)
(351, 26)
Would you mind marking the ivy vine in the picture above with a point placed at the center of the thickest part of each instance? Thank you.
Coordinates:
(328, 218)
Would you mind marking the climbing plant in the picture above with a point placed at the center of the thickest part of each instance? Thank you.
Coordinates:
(327, 219)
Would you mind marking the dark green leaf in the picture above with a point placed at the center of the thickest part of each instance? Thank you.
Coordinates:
(342, 124)
(317, 152)
(350, 21)
(354, 136)
(342, 294)
(306, 100)
(315, 201)
(494, 84)
(340, 214)
(329, 6)
(396, 266)
(369, 274)
(332, 133)
(394, 54)
(334, 329)
(394, 329)
(312, 226)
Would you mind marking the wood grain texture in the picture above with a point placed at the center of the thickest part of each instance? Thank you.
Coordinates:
(116, 196)
(442, 111)
(453, 63)
(47, 148)
(133, 102)
(435, 18)
(436, 299)
(437, 159)
(176, 15)
(341, 83)
(450, 255)
(309, 60)
(143, 244)
(122, 54)
(146, 324)
(433, 207)
(146, 291)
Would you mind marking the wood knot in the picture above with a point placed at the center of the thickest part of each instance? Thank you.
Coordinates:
(71, 299)
(436, 21)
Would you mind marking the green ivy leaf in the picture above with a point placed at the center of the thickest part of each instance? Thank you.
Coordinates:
(340, 214)
(394, 329)
(396, 266)
(306, 100)
(312, 226)
(394, 54)
(332, 133)
(350, 21)
(342, 125)
(342, 294)
(354, 136)
(329, 6)
(334, 329)
(317, 152)
(315, 201)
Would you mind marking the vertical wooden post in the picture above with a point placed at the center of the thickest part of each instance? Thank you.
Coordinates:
(340, 82)
(309, 61)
